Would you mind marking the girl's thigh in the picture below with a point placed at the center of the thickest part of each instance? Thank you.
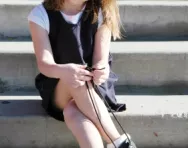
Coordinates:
(62, 95)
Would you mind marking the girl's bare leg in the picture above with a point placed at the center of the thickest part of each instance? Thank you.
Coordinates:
(83, 102)
(82, 128)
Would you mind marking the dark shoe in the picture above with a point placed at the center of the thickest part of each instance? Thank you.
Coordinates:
(128, 144)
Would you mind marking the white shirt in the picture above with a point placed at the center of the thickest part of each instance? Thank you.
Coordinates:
(39, 16)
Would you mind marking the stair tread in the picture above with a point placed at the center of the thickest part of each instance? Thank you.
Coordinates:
(144, 105)
(26, 47)
(120, 2)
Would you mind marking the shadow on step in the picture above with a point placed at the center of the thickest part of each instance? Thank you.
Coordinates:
(13, 108)
(172, 88)
(146, 38)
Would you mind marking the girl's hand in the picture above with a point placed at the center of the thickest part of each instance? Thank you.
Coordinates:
(100, 76)
(75, 75)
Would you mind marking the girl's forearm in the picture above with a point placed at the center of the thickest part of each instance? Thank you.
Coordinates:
(100, 64)
(102, 47)
(51, 70)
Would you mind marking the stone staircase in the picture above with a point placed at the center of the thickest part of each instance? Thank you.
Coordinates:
(151, 62)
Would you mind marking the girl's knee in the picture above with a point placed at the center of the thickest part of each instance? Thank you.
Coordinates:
(81, 90)
(71, 90)
(73, 115)
(70, 111)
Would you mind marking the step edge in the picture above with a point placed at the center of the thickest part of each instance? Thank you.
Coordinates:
(120, 2)
(137, 106)
(116, 47)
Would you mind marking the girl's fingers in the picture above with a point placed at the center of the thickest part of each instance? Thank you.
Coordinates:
(102, 77)
(85, 78)
(82, 66)
(85, 72)
(99, 81)
(78, 83)
(81, 83)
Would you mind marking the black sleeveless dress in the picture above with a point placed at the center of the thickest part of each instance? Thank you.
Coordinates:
(66, 49)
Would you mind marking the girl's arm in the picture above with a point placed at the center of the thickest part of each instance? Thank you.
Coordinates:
(101, 47)
(43, 51)
(73, 74)
(101, 54)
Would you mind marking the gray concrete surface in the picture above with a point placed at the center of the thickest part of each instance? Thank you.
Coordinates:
(153, 122)
(150, 63)
(139, 18)
(135, 63)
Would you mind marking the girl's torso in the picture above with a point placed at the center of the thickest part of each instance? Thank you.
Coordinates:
(39, 16)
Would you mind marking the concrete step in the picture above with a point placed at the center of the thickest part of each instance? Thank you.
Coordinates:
(153, 122)
(135, 63)
(141, 19)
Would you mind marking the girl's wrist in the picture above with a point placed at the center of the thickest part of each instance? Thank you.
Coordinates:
(100, 65)
(58, 70)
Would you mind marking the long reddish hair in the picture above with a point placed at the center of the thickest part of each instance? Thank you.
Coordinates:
(109, 8)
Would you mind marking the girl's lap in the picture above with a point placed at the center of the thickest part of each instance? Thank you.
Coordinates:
(55, 94)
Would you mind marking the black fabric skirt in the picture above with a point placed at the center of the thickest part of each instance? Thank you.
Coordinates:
(46, 88)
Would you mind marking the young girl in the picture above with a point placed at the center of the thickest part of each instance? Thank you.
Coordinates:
(68, 36)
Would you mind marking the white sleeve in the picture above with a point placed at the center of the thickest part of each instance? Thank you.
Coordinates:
(39, 16)
(100, 18)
